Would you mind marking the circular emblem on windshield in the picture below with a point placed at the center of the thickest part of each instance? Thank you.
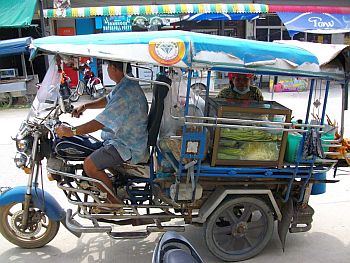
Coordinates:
(167, 51)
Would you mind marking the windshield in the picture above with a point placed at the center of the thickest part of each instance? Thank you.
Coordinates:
(47, 96)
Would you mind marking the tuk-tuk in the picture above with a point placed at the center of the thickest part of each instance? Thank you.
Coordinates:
(12, 85)
(232, 166)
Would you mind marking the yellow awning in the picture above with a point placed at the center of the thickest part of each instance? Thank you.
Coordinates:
(155, 10)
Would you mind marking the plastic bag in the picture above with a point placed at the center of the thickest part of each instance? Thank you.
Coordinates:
(47, 95)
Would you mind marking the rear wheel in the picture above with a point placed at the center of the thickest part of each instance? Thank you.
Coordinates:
(6, 100)
(88, 89)
(239, 229)
(39, 231)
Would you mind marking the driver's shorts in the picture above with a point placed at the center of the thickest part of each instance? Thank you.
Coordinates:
(106, 157)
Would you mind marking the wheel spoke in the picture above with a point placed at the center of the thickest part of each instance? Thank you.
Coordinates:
(222, 239)
(225, 230)
(231, 216)
(256, 225)
(242, 243)
(246, 214)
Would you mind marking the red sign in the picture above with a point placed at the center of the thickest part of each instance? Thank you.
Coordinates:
(65, 31)
(69, 31)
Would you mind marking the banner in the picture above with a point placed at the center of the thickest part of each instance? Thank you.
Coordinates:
(315, 22)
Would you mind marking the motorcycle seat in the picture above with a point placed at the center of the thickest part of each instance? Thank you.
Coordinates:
(134, 170)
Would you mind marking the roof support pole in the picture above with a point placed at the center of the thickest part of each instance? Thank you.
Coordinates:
(43, 30)
(24, 68)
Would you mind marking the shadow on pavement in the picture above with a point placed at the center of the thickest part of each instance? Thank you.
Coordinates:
(308, 247)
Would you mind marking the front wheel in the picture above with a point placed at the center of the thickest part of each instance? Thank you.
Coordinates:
(239, 229)
(74, 96)
(39, 231)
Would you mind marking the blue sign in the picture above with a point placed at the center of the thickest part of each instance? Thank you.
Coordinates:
(315, 22)
(116, 24)
(220, 16)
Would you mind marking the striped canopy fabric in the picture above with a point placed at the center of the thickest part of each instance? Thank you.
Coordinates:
(155, 10)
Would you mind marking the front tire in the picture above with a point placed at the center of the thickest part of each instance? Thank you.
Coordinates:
(75, 96)
(239, 229)
(40, 230)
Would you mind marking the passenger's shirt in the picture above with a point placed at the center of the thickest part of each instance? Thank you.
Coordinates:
(125, 121)
(254, 94)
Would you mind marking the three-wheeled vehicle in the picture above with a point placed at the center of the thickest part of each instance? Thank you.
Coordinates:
(234, 167)
(11, 84)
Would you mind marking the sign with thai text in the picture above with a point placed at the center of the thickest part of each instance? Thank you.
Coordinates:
(315, 22)
(116, 24)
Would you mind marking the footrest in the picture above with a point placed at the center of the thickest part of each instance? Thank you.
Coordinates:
(302, 219)
(129, 235)
(165, 228)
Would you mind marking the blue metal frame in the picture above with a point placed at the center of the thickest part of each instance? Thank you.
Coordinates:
(303, 168)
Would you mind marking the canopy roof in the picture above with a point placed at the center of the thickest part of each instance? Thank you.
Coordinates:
(155, 10)
(16, 13)
(15, 46)
(191, 50)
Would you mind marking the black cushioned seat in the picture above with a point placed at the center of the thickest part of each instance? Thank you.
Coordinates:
(157, 107)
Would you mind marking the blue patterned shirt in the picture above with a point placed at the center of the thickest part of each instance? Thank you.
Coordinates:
(125, 121)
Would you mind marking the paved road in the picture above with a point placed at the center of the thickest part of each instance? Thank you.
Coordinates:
(328, 240)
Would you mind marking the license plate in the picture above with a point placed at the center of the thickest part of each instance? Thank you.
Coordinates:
(98, 86)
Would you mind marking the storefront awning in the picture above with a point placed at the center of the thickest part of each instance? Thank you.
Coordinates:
(155, 10)
(15, 46)
(216, 16)
(318, 23)
(16, 13)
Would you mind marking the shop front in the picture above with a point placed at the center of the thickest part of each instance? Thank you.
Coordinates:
(91, 20)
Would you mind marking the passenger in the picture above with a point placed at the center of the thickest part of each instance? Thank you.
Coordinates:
(241, 88)
(123, 123)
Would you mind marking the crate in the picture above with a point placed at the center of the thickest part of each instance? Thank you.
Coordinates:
(246, 146)
(293, 144)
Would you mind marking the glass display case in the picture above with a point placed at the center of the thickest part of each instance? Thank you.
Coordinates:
(247, 144)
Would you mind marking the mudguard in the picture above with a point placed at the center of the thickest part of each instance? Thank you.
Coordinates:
(40, 199)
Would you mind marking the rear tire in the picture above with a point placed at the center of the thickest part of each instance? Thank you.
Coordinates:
(6, 100)
(239, 229)
(40, 230)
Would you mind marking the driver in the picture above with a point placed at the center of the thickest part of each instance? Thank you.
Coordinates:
(123, 123)
(241, 88)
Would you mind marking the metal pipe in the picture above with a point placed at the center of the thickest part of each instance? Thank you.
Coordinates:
(229, 120)
(188, 92)
(343, 107)
(206, 106)
(144, 80)
(312, 85)
(81, 178)
(325, 101)
(242, 126)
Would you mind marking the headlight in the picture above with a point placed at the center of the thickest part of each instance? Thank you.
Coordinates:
(22, 145)
(21, 160)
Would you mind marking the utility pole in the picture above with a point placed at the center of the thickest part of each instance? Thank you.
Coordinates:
(43, 30)
(42, 22)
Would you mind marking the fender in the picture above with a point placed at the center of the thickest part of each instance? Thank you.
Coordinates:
(221, 192)
(40, 199)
